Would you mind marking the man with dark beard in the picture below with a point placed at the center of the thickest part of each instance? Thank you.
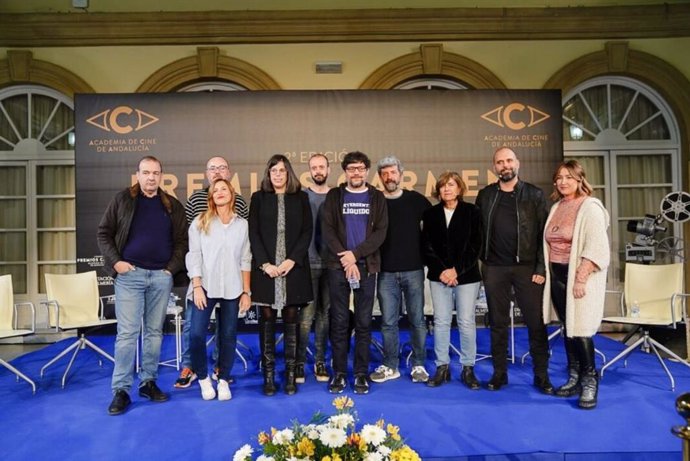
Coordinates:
(402, 274)
(513, 215)
(355, 220)
(317, 310)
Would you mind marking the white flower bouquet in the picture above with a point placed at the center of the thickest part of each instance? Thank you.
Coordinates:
(332, 438)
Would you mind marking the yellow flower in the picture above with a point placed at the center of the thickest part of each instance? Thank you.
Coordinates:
(394, 431)
(341, 403)
(305, 447)
(353, 439)
(405, 454)
(326, 458)
(264, 438)
(336, 457)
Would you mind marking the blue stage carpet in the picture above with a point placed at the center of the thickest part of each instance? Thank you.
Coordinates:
(632, 422)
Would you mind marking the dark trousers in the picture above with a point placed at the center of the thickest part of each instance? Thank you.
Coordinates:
(499, 282)
(339, 315)
(559, 282)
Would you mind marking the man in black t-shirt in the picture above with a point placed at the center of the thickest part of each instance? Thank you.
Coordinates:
(513, 215)
(402, 274)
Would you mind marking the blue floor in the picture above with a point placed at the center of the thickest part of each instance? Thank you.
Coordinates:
(632, 422)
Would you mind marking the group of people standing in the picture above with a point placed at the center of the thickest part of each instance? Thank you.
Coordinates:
(320, 257)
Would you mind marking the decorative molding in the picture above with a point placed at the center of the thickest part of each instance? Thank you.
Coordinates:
(20, 68)
(431, 60)
(207, 63)
(370, 25)
(618, 56)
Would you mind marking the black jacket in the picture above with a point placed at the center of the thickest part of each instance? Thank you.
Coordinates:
(457, 245)
(532, 211)
(263, 235)
(113, 231)
(333, 227)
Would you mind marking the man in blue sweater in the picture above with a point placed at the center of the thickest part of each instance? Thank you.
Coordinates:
(143, 239)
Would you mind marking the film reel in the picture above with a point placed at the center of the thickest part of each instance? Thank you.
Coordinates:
(675, 207)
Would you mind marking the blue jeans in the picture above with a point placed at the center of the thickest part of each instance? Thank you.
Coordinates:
(226, 334)
(392, 287)
(141, 295)
(446, 299)
(186, 360)
(317, 309)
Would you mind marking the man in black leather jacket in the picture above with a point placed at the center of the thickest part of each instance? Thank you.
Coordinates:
(513, 214)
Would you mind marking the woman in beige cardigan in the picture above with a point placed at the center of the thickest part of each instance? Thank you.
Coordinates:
(577, 254)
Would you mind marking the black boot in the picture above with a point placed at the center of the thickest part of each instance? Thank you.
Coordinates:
(572, 386)
(267, 339)
(290, 338)
(589, 378)
(442, 375)
(469, 379)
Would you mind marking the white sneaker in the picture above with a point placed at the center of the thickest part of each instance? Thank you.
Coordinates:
(419, 374)
(224, 390)
(383, 374)
(207, 390)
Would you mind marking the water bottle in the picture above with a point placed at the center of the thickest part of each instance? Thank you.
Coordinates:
(354, 283)
(635, 309)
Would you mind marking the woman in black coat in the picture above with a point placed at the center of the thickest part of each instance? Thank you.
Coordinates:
(451, 243)
(280, 228)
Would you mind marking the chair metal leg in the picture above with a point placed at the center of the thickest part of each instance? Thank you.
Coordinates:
(71, 361)
(19, 374)
(648, 343)
(511, 346)
(78, 345)
(242, 359)
(600, 354)
(554, 334)
(83, 344)
(239, 353)
(74, 345)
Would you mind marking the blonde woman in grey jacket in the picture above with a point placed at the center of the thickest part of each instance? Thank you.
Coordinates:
(577, 255)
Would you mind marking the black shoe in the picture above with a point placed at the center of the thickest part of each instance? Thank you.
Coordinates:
(120, 403)
(337, 384)
(150, 391)
(290, 386)
(320, 372)
(544, 385)
(469, 379)
(590, 389)
(497, 381)
(361, 384)
(299, 373)
(270, 387)
(441, 376)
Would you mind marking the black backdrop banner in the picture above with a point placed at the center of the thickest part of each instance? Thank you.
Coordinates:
(430, 131)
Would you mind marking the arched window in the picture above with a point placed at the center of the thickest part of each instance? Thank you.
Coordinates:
(37, 226)
(426, 83)
(627, 139)
(211, 86)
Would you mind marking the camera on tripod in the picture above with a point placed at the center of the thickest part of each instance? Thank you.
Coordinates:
(642, 250)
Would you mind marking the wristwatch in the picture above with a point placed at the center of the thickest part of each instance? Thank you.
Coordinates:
(248, 293)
